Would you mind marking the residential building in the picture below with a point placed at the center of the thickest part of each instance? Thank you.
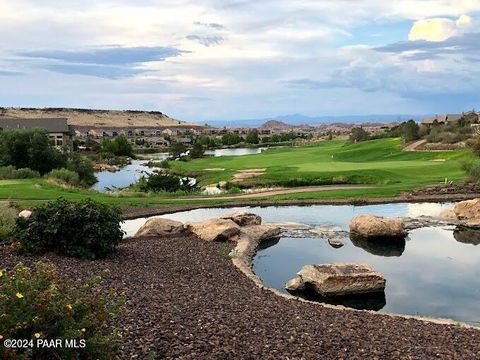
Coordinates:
(58, 130)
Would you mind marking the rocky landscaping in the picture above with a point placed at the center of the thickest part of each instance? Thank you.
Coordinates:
(185, 300)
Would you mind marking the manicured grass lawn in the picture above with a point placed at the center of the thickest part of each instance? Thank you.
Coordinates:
(374, 162)
(380, 163)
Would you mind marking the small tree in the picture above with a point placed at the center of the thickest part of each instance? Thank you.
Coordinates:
(359, 134)
(231, 139)
(252, 137)
(197, 151)
(120, 146)
(176, 149)
(410, 130)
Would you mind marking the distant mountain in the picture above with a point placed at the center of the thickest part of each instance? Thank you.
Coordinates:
(299, 119)
(275, 125)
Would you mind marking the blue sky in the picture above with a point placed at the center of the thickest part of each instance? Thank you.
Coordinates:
(222, 59)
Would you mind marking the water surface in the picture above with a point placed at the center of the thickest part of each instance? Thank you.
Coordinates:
(435, 272)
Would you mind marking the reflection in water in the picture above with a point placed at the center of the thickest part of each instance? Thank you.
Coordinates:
(125, 177)
(234, 152)
(265, 244)
(380, 246)
(467, 236)
(373, 301)
(437, 274)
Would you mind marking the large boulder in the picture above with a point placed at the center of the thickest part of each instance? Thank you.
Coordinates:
(160, 227)
(261, 232)
(338, 279)
(468, 210)
(214, 229)
(243, 218)
(377, 226)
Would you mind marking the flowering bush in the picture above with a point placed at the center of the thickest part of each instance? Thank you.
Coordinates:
(38, 306)
(84, 229)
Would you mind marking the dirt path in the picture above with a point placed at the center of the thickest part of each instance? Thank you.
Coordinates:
(281, 191)
(413, 146)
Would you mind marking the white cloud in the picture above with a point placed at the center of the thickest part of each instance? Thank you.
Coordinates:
(439, 29)
(256, 47)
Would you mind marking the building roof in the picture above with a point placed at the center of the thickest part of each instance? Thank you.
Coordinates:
(52, 125)
(454, 117)
(438, 118)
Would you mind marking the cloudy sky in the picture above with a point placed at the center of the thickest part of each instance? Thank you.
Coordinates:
(237, 59)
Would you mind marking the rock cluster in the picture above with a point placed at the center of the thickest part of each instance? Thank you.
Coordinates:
(240, 227)
(338, 279)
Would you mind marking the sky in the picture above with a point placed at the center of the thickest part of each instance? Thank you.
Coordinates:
(239, 59)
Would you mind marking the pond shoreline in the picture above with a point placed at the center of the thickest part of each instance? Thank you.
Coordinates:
(203, 305)
(245, 251)
(133, 212)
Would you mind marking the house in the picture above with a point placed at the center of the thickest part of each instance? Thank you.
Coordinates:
(58, 130)
(442, 119)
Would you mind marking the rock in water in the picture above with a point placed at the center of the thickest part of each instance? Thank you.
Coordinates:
(296, 284)
(377, 226)
(339, 279)
(160, 227)
(214, 229)
(335, 243)
(243, 218)
(468, 210)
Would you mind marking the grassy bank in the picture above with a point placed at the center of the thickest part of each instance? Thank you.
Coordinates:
(379, 163)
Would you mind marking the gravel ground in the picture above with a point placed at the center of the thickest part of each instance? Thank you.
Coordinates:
(187, 301)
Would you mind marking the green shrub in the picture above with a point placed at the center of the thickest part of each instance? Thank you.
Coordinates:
(83, 166)
(8, 216)
(26, 173)
(64, 175)
(472, 168)
(164, 182)
(85, 229)
(10, 172)
(38, 306)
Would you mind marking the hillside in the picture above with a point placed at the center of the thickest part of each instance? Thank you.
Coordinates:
(99, 118)
(275, 125)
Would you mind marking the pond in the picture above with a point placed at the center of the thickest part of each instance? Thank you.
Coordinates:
(129, 174)
(235, 152)
(125, 177)
(435, 272)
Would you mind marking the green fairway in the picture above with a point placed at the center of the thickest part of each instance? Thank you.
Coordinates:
(372, 162)
(379, 163)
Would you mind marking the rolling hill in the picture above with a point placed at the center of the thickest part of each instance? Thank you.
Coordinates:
(99, 118)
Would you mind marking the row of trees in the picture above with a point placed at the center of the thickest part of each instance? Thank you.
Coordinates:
(32, 149)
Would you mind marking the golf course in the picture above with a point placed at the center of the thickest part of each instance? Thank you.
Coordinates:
(380, 165)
